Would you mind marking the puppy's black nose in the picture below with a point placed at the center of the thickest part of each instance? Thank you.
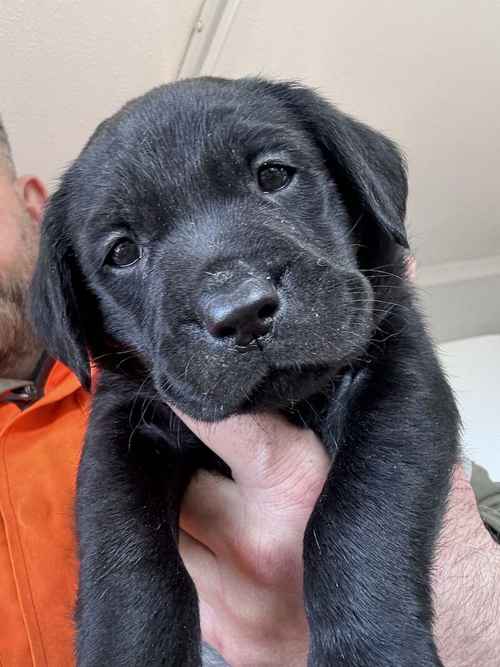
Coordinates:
(244, 312)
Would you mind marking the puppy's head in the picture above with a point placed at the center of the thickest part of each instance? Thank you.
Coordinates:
(215, 233)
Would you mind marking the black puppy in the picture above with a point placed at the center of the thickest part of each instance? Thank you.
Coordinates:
(226, 246)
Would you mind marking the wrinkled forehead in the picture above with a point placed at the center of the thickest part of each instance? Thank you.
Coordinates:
(183, 123)
(179, 136)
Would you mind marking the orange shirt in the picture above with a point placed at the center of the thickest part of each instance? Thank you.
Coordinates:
(39, 454)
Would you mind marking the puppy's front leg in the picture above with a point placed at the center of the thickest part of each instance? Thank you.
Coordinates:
(137, 604)
(368, 546)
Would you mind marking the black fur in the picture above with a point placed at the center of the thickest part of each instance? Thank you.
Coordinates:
(348, 356)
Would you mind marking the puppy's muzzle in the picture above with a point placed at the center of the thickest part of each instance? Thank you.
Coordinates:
(243, 312)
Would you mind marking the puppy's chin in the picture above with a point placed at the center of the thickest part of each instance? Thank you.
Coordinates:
(283, 388)
(280, 389)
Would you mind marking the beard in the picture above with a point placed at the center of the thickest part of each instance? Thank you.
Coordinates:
(18, 344)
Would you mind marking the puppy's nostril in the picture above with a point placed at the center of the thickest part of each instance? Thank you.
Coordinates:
(243, 313)
(267, 311)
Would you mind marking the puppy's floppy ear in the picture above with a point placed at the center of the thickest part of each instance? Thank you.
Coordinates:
(55, 311)
(368, 168)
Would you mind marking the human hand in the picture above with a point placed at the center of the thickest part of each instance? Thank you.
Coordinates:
(241, 540)
(466, 583)
(242, 544)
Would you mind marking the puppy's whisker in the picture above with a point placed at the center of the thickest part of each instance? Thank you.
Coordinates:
(112, 354)
(356, 223)
(134, 402)
(188, 364)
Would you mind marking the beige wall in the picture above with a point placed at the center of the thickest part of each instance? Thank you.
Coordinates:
(67, 64)
(426, 72)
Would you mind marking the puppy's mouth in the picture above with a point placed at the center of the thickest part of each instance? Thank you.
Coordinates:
(279, 388)
(262, 378)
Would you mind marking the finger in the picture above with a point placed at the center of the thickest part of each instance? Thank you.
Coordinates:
(247, 524)
(210, 510)
(201, 564)
(261, 448)
(204, 571)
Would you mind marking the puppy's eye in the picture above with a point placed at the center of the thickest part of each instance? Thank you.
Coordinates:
(273, 177)
(124, 253)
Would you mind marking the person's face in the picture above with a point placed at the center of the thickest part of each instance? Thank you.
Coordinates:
(21, 204)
